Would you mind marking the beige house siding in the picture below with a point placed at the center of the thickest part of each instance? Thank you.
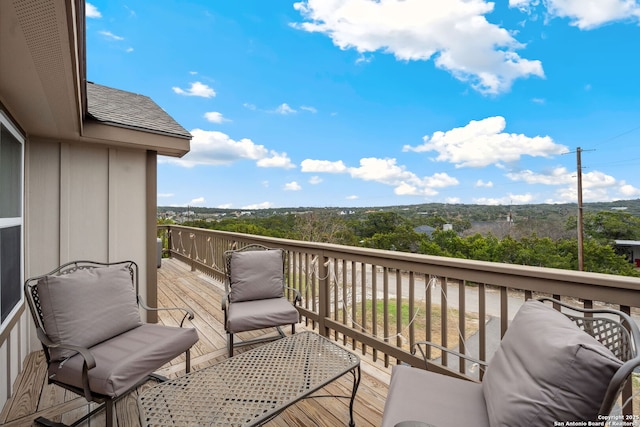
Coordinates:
(85, 202)
(81, 202)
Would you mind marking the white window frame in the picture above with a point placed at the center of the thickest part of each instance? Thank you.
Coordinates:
(15, 221)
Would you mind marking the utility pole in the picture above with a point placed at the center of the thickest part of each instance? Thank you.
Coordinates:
(580, 219)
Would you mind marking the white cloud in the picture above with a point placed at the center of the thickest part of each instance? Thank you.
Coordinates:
(629, 191)
(225, 206)
(110, 35)
(292, 186)
(385, 171)
(352, 197)
(454, 33)
(91, 11)
(249, 106)
(590, 14)
(166, 194)
(309, 109)
(481, 183)
(217, 148)
(516, 199)
(196, 89)
(483, 143)
(263, 205)
(526, 6)
(325, 166)
(405, 183)
(276, 160)
(596, 185)
(284, 109)
(215, 117)
(452, 200)
(557, 176)
(197, 201)
(314, 180)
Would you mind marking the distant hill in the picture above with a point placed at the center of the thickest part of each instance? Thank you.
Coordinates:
(470, 212)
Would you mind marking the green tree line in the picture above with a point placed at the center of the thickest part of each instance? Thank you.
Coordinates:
(556, 247)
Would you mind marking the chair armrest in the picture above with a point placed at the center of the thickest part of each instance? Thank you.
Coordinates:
(86, 354)
(188, 314)
(89, 362)
(298, 296)
(418, 346)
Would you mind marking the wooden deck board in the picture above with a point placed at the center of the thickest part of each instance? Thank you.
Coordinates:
(180, 287)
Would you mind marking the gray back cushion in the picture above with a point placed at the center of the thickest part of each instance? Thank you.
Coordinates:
(256, 275)
(546, 370)
(87, 307)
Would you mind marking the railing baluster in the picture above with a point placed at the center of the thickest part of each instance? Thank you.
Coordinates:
(354, 300)
(430, 284)
(504, 311)
(444, 319)
(385, 285)
(461, 324)
(336, 293)
(398, 310)
(345, 297)
(482, 315)
(363, 302)
(412, 309)
(374, 306)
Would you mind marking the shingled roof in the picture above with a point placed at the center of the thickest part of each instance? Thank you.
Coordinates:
(126, 109)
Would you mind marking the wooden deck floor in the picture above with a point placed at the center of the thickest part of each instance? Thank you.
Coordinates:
(178, 286)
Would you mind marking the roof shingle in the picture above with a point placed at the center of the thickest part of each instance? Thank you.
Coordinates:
(127, 109)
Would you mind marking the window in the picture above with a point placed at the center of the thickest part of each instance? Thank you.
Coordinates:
(11, 219)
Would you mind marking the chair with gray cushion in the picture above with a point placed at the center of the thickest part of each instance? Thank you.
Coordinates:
(255, 293)
(87, 317)
(551, 366)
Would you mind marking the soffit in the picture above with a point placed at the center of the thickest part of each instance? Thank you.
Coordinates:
(43, 80)
(39, 70)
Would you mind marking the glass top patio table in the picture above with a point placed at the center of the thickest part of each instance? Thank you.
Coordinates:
(253, 387)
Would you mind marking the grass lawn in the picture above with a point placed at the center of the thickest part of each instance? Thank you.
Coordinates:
(420, 323)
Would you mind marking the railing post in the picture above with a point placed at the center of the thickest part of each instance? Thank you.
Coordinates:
(169, 235)
(192, 251)
(324, 282)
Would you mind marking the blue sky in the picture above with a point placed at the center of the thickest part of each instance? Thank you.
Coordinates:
(391, 102)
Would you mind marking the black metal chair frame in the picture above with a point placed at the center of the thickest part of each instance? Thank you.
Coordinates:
(621, 337)
(104, 401)
(297, 298)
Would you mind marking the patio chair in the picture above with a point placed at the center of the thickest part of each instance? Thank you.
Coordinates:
(255, 294)
(87, 318)
(551, 366)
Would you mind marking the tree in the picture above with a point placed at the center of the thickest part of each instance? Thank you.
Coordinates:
(379, 222)
(606, 226)
(322, 227)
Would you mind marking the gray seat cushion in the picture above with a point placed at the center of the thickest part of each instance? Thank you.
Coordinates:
(546, 370)
(440, 400)
(127, 359)
(258, 314)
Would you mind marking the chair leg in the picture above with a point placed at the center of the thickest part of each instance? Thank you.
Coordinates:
(230, 343)
(293, 329)
(188, 360)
